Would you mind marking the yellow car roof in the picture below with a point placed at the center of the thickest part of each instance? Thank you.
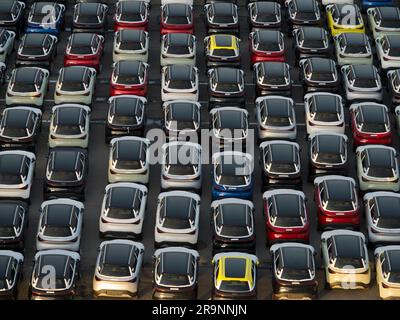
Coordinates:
(235, 269)
(343, 15)
(223, 41)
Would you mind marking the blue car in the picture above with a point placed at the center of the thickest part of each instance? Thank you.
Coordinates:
(232, 175)
(46, 17)
(365, 4)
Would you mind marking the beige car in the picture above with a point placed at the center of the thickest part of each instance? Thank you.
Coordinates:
(387, 261)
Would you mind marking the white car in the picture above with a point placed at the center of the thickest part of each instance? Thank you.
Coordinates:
(7, 38)
(388, 51)
(69, 126)
(377, 168)
(60, 225)
(326, 2)
(324, 112)
(16, 174)
(178, 48)
(177, 218)
(123, 209)
(179, 82)
(397, 113)
(345, 259)
(75, 84)
(353, 48)
(384, 20)
(188, 2)
(27, 86)
(131, 45)
(129, 160)
(387, 261)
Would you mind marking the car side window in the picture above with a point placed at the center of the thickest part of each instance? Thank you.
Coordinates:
(329, 245)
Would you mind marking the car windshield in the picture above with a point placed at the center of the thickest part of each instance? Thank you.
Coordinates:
(231, 174)
(348, 262)
(234, 286)
(70, 85)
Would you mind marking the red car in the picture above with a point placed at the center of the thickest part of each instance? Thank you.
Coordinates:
(177, 18)
(266, 45)
(337, 202)
(286, 216)
(84, 49)
(370, 124)
(131, 15)
(129, 77)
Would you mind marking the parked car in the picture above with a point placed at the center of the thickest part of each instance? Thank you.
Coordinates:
(370, 124)
(272, 78)
(319, 74)
(383, 218)
(388, 51)
(131, 15)
(176, 17)
(222, 17)
(131, 45)
(66, 266)
(7, 39)
(303, 13)
(267, 45)
(311, 42)
(366, 4)
(232, 175)
(12, 15)
(280, 163)
(69, 126)
(16, 174)
(294, 272)
(393, 85)
(122, 210)
(276, 118)
(233, 225)
(178, 48)
(46, 17)
(344, 18)
(20, 128)
(345, 259)
(386, 266)
(37, 49)
(84, 49)
(89, 17)
(27, 86)
(129, 160)
(179, 81)
(327, 154)
(66, 174)
(60, 225)
(234, 276)
(377, 168)
(175, 273)
(181, 166)
(118, 269)
(222, 50)
(129, 77)
(126, 116)
(384, 20)
(11, 273)
(337, 202)
(75, 84)
(353, 48)
(264, 14)
(13, 224)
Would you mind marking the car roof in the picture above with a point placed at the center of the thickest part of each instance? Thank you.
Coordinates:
(130, 149)
(278, 107)
(287, 205)
(4, 266)
(69, 115)
(267, 36)
(295, 257)
(34, 39)
(81, 39)
(388, 206)
(373, 113)
(234, 213)
(8, 211)
(179, 39)
(364, 71)
(177, 207)
(59, 214)
(25, 74)
(122, 196)
(180, 71)
(355, 38)
(177, 9)
(322, 65)
(128, 66)
(6, 5)
(235, 267)
(313, 33)
(329, 143)
(222, 41)
(227, 75)
(174, 262)
(338, 189)
(306, 5)
(326, 103)
(348, 246)
(117, 253)
(282, 152)
(11, 163)
(16, 118)
(380, 157)
(272, 69)
(131, 35)
(64, 159)
(231, 118)
(74, 73)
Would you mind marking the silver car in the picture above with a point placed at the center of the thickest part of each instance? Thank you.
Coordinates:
(178, 48)
(118, 268)
(382, 211)
(387, 261)
(384, 20)
(353, 48)
(131, 45)
(60, 225)
(179, 81)
(7, 38)
(388, 51)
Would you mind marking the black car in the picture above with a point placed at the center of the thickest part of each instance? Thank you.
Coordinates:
(89, 17)
(222, 17)
(393, 85)
(226, 86)
(126, 116)
(303, 12)
(175, 273)
(264, 14)
(13, 222)
(20, 127)
(327, 154)
(272, 78)
(65, 265)
(10, 274)
(311, 42)
(280, 162)
(12, 15)
(181, 119)
(233, 225)
(294, 274)
(319, 74)
(66, 174)
(37, 49)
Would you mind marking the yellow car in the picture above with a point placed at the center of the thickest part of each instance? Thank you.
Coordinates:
(222, 50)
(235, 276)
(344, 18)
